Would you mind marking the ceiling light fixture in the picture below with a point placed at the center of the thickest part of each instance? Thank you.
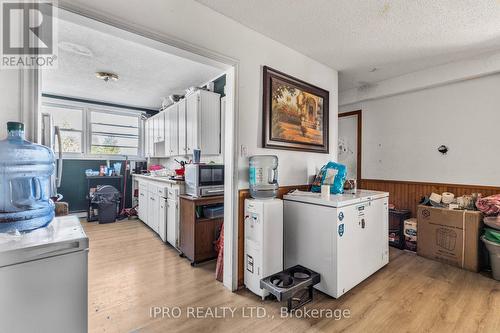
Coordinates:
(106, 76)
(374, 69)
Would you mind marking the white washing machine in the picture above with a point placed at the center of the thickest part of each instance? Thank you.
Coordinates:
(263, 241)
(345, 238)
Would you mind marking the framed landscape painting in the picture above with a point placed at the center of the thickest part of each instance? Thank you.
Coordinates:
(295, 113)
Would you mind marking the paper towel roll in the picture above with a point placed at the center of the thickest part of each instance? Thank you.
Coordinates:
(435, 197)
(447, 197)
(325, 192)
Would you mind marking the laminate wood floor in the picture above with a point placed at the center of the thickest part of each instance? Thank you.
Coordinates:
(131, 271)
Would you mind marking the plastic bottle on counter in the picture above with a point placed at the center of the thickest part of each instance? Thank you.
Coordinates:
(263, 176)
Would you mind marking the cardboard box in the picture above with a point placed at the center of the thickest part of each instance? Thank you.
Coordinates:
(450, 236)
(410, 232)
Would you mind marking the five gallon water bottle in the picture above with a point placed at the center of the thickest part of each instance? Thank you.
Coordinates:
(25, 181)
(263, 176)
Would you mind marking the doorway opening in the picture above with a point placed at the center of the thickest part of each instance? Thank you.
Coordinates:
(350, 144)
(101, 123)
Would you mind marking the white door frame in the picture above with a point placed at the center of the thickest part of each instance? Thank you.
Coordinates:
(200, 54)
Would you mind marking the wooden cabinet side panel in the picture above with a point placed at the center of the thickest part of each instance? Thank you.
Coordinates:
(186, 228)
(205, 236)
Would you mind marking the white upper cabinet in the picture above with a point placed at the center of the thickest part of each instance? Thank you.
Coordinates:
(159, 124)
(192, 102)
(146, 138)
(172, 130)
(150, 134)
(192, 123)
(181, 110)
(203, 122)
(154, 128)
(166, 131)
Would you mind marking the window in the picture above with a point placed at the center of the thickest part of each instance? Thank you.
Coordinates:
(70, 121)
(113, 134)
(88, 130)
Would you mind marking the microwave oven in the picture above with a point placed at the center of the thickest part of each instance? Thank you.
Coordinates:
(203, 180)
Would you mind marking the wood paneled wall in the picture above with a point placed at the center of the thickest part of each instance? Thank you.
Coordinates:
(406, 195)
(244, 194)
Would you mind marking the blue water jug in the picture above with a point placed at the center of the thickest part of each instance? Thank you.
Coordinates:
(25, 182)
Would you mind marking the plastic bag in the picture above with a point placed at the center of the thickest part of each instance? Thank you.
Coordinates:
(333, 174)
(492, 235)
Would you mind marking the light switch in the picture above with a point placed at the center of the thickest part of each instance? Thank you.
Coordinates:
(243, 151)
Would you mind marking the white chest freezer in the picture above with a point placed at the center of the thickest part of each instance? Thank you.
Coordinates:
(345, 238)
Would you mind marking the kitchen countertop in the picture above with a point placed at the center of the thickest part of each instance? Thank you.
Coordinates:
(209, 198)
(159, 179)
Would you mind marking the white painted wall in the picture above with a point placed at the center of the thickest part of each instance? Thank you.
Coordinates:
(196, 24)
(401, 134)
(478, 66)
(10, 100)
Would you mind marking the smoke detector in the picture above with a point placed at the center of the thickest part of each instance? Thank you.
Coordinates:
(106, 76)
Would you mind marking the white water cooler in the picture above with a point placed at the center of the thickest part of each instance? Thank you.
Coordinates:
(263, 241)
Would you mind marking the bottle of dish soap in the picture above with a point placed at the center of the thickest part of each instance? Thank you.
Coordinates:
(25, 182)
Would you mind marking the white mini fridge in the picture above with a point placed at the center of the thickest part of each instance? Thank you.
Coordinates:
(345, 238)
(43, 279)
(263, 241)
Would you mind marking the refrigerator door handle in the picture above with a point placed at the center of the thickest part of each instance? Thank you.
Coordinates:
(61, 248)
(57, 131)
(40, 252)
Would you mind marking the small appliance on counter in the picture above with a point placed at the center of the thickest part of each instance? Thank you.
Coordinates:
(203, 180)
(263, 241)
(179, 172)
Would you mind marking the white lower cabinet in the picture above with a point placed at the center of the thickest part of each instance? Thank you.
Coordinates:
(162, 220)
(143, 204)
(173, 222)
(159, 208)
(151, 213)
